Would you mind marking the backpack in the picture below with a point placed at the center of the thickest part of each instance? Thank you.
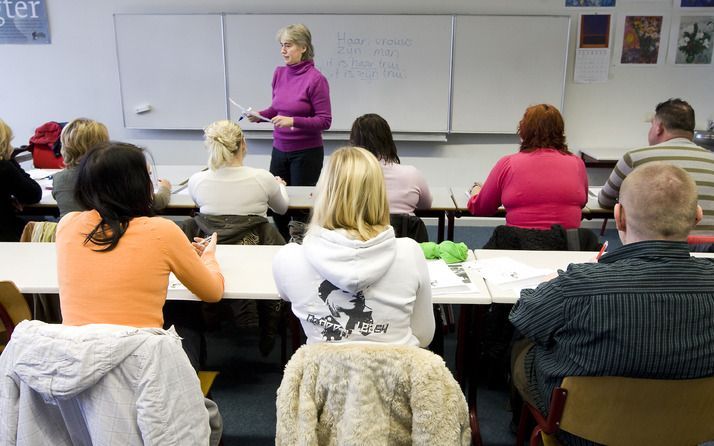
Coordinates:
(45, 146)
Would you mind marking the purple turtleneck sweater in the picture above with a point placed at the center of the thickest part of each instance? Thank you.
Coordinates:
(300, 91)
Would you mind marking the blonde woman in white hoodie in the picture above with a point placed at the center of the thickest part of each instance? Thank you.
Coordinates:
(351, 279)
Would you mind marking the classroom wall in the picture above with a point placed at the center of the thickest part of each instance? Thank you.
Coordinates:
(77, 75)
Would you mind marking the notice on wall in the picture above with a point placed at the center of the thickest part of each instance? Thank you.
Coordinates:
(592, 57)
(23, 22)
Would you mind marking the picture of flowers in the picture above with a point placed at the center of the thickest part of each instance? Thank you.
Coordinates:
(694, 41)
(641, 39)
(697, 3)
(590, 3)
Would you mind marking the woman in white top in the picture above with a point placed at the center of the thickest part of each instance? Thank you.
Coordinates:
(406, 187)
(229, 187)
(352, 280)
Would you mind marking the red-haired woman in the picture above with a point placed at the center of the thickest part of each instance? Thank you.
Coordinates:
(541, 185)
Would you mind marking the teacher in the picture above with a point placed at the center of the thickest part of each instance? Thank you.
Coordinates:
(300, 111)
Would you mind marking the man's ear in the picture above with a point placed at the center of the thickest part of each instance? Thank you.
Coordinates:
(699, 216)
(659, 128)
(620, 221)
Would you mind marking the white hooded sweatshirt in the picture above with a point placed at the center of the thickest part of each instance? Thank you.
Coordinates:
(346, 290)
(99, 384)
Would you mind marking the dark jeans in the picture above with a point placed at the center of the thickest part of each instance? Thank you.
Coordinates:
(299, 168)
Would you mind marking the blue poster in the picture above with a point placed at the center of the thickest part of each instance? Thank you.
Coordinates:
(24, 21)
(697, 3)
(590, 3)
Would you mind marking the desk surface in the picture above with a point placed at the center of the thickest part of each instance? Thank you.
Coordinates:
(552, 260)
(611, 155)
(301, 197)
(247, 271)
(591, 210)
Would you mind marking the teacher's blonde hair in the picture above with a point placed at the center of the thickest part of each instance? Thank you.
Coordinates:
(225, 141)
(300, 35)
(351, 194)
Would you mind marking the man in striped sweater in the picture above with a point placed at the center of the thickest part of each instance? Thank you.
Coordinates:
(670, 139)
(644, 310)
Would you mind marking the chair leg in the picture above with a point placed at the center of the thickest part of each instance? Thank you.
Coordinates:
(535, 437)
(523, 424)
(603, 227)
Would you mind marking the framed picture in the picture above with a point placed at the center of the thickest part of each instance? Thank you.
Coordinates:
(640, 40)
(691, 40)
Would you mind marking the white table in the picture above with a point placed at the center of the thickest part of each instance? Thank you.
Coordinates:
(553, 260)
(602, 157)
(247, 271)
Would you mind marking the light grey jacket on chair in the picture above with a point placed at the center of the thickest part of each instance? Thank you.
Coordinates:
(99, 384)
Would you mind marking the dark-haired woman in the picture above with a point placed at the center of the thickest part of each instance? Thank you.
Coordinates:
(543, 184)
(406, 187)
(113, 261)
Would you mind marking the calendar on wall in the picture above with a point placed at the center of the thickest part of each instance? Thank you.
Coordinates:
(592, 56)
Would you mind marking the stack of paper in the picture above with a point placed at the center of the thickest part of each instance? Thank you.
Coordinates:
(451, 279)
(508, 273)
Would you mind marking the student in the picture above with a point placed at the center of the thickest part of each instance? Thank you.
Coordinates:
(114, 260)
(351, 279)
(670, 138)
(233, 201)
(644, 310)
(543, 184)
(229, 187)
(406, 187)
(16, 188)
(77, 138)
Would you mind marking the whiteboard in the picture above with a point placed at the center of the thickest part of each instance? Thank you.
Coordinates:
(395, 65)
(173, 65)
(503, 64)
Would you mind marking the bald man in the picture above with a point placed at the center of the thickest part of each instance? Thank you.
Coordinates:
(645, 310)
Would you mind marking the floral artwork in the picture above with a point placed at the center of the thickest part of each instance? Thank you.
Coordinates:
(641, 40)
(697, 3)
(590, 3)
(694, 42)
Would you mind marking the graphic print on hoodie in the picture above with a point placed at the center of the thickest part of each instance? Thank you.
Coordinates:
(348, 313)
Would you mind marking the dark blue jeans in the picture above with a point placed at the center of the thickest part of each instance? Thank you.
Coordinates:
(298, 168)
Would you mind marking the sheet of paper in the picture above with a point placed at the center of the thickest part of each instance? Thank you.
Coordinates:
(39, 174)
(509, 273)
(452, 279)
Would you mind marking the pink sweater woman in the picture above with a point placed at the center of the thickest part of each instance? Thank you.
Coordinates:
(543, 184)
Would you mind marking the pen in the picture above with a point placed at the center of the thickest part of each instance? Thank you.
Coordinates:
(602, 251)
(207, 240)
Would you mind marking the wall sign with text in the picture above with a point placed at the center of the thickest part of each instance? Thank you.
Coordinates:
(23, 22)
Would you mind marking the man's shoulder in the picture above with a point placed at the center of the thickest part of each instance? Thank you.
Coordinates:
(671, 149)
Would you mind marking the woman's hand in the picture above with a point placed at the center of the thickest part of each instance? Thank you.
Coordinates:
(205, 245)
(282, 121)
(475, 189)
(165, 184)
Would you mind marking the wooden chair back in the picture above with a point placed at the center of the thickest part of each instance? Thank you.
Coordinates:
(636, 411)
(13, 307)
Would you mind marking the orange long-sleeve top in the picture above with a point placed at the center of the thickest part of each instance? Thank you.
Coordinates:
(127, 285)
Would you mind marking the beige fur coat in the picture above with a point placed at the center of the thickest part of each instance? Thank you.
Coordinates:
(369, 394)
